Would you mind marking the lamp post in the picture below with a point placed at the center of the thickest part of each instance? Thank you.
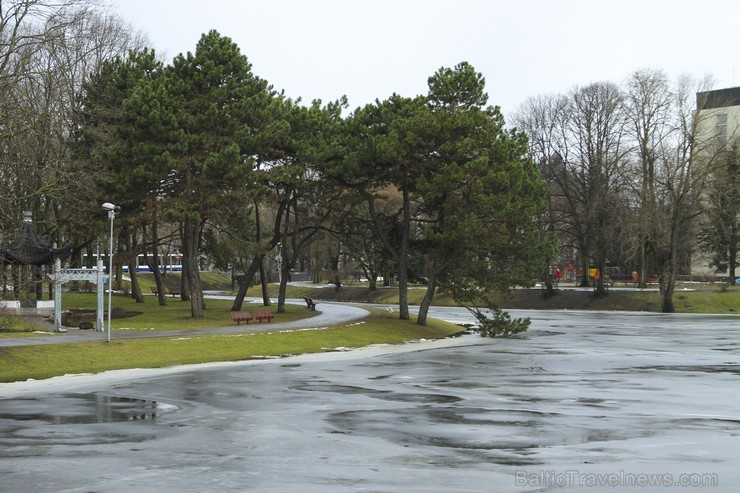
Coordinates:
(112, 209)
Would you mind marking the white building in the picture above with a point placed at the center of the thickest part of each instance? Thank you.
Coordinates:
(718, 116)
(718, 124)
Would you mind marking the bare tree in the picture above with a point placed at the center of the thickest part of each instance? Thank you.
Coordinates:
(593, 172)
(47, 51)
(606, 152)
(648, 100)
(543, 119)
(684, 164)
(578, 141)
(25, 27)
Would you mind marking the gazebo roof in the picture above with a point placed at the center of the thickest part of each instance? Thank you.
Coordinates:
(28, 249)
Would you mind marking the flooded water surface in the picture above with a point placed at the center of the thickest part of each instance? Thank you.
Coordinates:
(582, 400)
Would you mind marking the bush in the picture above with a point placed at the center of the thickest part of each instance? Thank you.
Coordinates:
(11, 323)
(6, 321)
(500, 323)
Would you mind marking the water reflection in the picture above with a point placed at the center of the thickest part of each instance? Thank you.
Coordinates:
(80, 409)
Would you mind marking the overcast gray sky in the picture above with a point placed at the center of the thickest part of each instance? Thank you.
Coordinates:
(368, 49)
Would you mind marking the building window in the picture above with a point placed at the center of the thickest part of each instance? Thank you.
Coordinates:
(722, 130)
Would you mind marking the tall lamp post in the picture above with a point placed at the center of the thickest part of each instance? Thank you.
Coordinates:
(112, 210)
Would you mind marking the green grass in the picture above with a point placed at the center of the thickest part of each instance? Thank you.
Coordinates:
(688, 298)
(716, 299)
(39, 362)
(45, 361)
(13, 326)
(209, 281)
(175, 315)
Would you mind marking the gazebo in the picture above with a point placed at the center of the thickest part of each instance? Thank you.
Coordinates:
(27, 257)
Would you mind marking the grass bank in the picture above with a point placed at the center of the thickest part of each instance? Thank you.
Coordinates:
(717, 298)
(689, 298)
(39, 362)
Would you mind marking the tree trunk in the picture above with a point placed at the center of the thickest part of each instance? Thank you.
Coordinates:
(132, 247)
(642, 283)
(732, 261)
(403, 275)
(426, 302)
(135, 287)
(17, 281)
(257, 240)
(585, 277)
(244, 285)
(282, 291)
(335, 272)
(153, 263)
(284, 266)
(190, 260)
(549, 290)
(372, 280)
(600, 290)
(668, 277)
(184, 283)
(184, 289)
(245, 282)
(154, 267)
(263, 282)
(667, 285)
(117, 265)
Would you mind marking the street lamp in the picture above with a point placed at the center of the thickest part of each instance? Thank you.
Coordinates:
(112, 210)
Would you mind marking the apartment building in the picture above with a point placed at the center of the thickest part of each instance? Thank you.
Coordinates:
(718, 115)
(718, 124)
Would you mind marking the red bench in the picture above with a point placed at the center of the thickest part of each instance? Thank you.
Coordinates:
(241, 316)
(263, 315)
(310, 304)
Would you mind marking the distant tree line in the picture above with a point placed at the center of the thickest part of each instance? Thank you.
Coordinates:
(634, 177)
(47, 51)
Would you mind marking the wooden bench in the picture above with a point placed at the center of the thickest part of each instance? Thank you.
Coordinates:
(241, 316)
(263, 315)
(310, 304)
(173, 292)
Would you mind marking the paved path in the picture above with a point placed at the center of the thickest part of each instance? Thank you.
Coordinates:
(327, 314)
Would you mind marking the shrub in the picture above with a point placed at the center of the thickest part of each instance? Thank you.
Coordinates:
(500, 323)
